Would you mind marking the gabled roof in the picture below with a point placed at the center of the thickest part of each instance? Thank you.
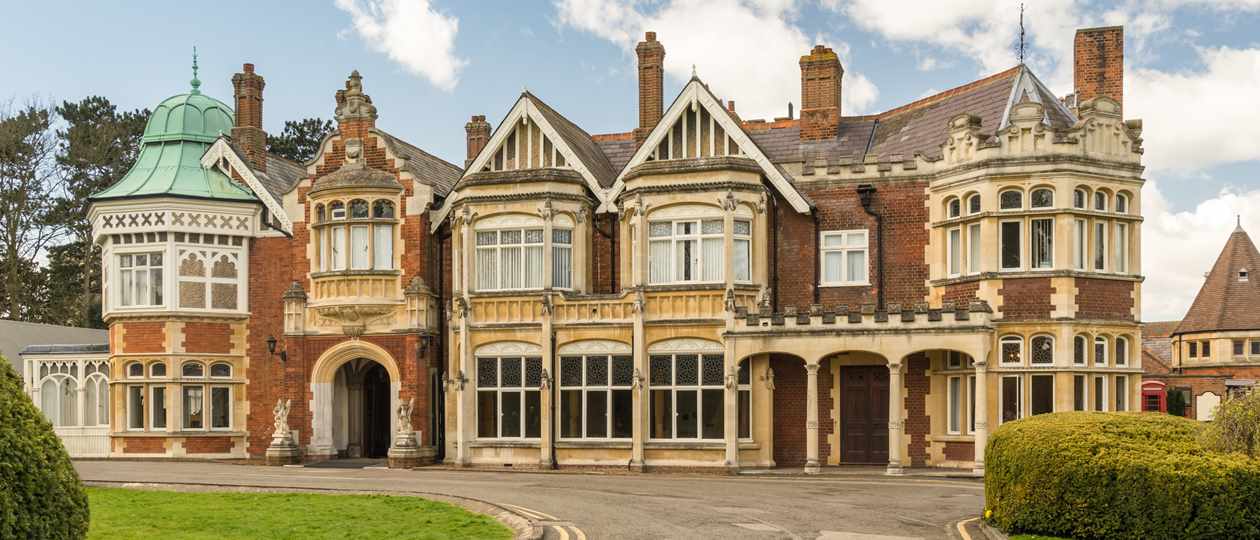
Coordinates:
(698, 93)
(1227, 300)
(580, 141)
(223, 158)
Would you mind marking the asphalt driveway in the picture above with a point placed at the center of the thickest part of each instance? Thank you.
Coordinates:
(842, 503)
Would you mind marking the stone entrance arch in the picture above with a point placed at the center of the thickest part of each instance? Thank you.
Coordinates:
(325, 405)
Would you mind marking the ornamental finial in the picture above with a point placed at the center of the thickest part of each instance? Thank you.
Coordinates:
(196, 83)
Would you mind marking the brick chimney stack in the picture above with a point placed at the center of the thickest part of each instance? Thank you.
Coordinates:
(478, 134)
(820, 94)
(248, 132)
(651, 85)
(1099, 63)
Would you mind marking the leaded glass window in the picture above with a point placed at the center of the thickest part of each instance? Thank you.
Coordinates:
(509, 402)
(687, 394)
(1042, 350)
(595, 397)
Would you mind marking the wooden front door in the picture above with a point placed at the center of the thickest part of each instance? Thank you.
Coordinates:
(864, 414)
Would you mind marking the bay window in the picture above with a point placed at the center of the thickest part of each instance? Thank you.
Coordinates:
(1122, 351)
(140, 276)
(1121, 243)
(1078, 393)
(1042, 247)
(687, 393)
(741, 260)
(1100, 351)
(135, 407)
(509, 403)
(1080, 348)
(973, 204)
(1100, 246)
(1100, 392)
(509, 259)
(157, 413)
(194, 410)
(1011, 257)
(954, 397)
(1042, 350)
(562, 258)
(845, 255)
(1079, 198)
(1011, 349)
(1078, 248)
(1042, 394)
(685, 251)
(595, 397)
(1012, 399)
(1122, 393)
(1042, 198)
(358, 236)
(1011, 199)
(208, 278)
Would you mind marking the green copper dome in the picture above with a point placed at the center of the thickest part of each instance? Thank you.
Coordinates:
(179, 132)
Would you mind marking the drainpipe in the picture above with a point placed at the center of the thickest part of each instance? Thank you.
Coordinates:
(774, 253)
(865, 192)
(439, 405)
(817, 258)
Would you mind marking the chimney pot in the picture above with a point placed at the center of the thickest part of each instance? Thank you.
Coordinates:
(821, 74)
(649, 36)
(477, 132)
(249, 68)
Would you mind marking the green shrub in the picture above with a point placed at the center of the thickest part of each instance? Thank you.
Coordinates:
(1176, 402)
(40, 494)
(1236, 426)
(1117, 475)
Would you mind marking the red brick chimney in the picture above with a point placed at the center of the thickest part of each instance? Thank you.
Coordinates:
(478, 134)
(248, 132)
(651, 85)
(1099, 63)
(820, 94)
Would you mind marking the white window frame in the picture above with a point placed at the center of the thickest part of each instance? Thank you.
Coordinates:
(1122, 342)
(124, 274)
(210, 407)
(1084, 383)
(166, 411)
(976, 208)
(1019, 399)
(131, 404)
(953, 252)
(955, 403)
(1011, 190)
(561, 258)
(1011, 338)
(844, 249)
(1031, 198)
(208, 255)
(1121, 403)
(1103, 204)
(1084, 342)
(674, 388)
(1099, 397)
(741, 273)
(1121, 248)
(972, 380)
(1101, 343)
(1080, 237)
(102, 403)
(185, 416)
(953, 208)
(698, 263)
(210, 370)
(1019, 245)
(127, 373)
(1033, 263)
(1122, 203)
(585, 388)
(975, 246)
(1032, 354)
(497, 251)
(1100, 254)
(1080, 199)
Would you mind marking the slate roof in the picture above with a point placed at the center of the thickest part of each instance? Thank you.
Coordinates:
(580, 141)
(282, 176)
(1157, 342)
(426, 167)
(1227, 302)
(617, 147)
(17, 337)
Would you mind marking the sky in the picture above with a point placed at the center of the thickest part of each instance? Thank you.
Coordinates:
(1192, 70)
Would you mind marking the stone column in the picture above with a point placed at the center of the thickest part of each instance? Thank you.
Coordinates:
(640, 396)
(730, 420)
(895, 406)
(982, 414)
(811, 419)
(545, 392)
(463, 311)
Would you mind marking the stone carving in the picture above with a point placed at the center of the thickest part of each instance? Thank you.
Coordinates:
(640, 303)
(546, 210)
(352, 103)
(281, 418)
(768, 378)
(730, 300)
(283, 450)
(405, 434)
(728, 202)
(637, 383)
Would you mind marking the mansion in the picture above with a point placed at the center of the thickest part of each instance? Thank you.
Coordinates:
(701, 291)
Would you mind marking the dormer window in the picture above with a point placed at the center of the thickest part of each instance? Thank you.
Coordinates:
(1242, 275)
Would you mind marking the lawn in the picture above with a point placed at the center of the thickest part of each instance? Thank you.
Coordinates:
(131, 513)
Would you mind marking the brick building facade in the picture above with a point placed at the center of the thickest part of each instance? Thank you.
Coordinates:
(697, 291)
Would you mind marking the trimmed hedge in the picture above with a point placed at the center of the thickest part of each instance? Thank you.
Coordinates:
(40, 494)
(1117, 475)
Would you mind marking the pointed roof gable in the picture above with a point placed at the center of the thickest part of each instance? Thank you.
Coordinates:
(1229, 299)
(575, 146)
(695, 92)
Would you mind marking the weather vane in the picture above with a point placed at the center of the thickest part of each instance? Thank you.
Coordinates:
(1021, 33)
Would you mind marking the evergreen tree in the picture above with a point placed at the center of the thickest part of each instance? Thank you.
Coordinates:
(96, 147)
(300, 139)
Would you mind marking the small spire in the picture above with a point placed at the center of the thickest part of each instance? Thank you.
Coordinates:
(1022, 44)
(693, 71)
(196, 83)
(1238, 228)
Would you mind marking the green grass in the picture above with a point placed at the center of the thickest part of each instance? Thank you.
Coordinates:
(131, 513)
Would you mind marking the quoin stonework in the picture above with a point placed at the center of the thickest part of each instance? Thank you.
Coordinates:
(700, 291)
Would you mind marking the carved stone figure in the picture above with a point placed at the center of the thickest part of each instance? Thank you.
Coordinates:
(404, 417)
(281, 418)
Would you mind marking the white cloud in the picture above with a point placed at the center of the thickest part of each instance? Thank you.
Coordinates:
(1180, 247)
(412, 33)
(1197, 119)
(758, 69)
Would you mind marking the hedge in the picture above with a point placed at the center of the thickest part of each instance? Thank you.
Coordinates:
(40, 493)
(1117, 475)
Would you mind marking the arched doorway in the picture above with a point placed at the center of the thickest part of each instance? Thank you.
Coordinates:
(361, 410)
(354, 387)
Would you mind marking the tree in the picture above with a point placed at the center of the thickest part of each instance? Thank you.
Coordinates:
(1176, 402)
(1236, 425)
(300, 139)
(28, 186)
(42, 496)
(96, 147)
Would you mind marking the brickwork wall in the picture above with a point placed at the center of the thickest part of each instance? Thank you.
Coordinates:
(602, 264)
(790, 397)
(271, 271)
(960, 451)
(1206, 379)
(1104, 299)
(1026, 299)
(208, 337)
(918, 424)
(142, 337)
(962, 293)
(1099, 63)
(208, 445)
(144, 445)
(900, 204)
